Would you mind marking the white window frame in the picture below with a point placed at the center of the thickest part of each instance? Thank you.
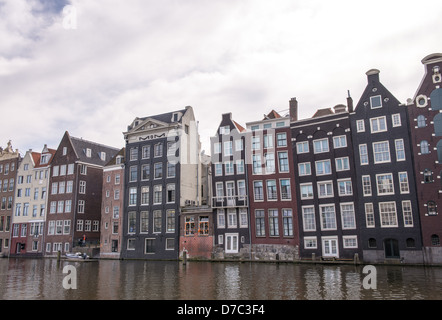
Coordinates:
(372, 99)
(378, 176)
(327, 195)
(400, 148)
(375, 144)
(360, 125)
(309, 195)
(378, 124)
(340, 141)
(302, 147)
(323, 147)
(396, 120)
(383, 221)
(312, 222)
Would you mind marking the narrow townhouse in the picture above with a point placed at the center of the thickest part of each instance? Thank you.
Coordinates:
(30, 203)
(270, 169)
(112, 207)
(9, 162)
(425, 116)
(162, 174)
(229, 186)
(75, 195)
(326, 184)
(387, 212)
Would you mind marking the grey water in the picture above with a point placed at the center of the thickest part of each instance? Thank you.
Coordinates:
(42, 279)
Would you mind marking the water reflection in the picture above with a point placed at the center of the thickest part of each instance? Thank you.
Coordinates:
(136, 280)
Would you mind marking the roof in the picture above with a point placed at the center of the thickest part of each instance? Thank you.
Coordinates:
(81, 146)
(45, 151)
(113, 161)
(323, 112)
(164, 117)
(272, 115)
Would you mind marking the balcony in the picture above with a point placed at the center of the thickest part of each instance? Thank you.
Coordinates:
(229, 201)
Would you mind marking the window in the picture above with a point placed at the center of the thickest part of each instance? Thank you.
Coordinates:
(271, 190)
(228, 148)
(363, 154)
(339, 142)
(345, 187)
(257, 166)
(133, 154)
(268, 141)
(81, 205)
(221, 218)
(240, 166)
(425, 147)
(378, 124)
(403, 182)
(283, 161)
(320, 146)
(273, 223)
(132, 196)
(258, 190)
(203, 226)
(228, 166)
(302, 147)
(396, 119)
(436, 99)
(350, 242)
(306, 191)
(328, 217)
(189, 226)
(131, 219)
(158, 150)
(270, 162)
(342, 164)
(144, 195)
(287, 222)
(375, 102)
(243, 220)
(388, 216)
(400, 149)
(381, 152)
(232, 221)
(385, 184)
(217, 148)
(431, 208)
(304, 169)
(149, 246)
(241, 190)
(285, 189)
(325, 189)
(144, 222)
(157, 221)
(369, 215)
(145, 172)
(421, 121)
(219, 187)
(170, 221)
(360, 126)
(224, 130)
(348, 216)
(146, 152)
(158, 170)
(310, 243)
(323, 167)
(171, 170)
(231, 243)
(435, 241)
(256, 142)
(407, 213)
(157, 194)
(260, 223)
(428, 176)
(281, 139)
(239, 145)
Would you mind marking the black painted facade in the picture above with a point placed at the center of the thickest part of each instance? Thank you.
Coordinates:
(387, 212)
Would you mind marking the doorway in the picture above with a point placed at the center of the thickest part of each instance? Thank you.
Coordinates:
(391, 247)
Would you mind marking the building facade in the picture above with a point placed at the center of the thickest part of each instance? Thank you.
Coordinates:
(9, 162)
(162, 174)
(112, 207)
(426, 131)
(75, 194)
(387, 213)
(326, 185)
(229, 187)
(272, 196)
(30, 203)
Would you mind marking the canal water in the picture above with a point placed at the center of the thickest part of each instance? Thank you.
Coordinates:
(42, 279)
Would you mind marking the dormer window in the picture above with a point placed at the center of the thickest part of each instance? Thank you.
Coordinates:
(102, 156)
(88, 152)
(44, 159)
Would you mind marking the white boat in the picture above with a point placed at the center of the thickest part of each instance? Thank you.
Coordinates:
(77, 256)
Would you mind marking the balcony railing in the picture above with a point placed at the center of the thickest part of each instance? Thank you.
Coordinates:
(229, 201)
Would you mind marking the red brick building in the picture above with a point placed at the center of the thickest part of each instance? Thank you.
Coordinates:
(426, 136)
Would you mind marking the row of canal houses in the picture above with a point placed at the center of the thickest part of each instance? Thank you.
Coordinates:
(352, 182)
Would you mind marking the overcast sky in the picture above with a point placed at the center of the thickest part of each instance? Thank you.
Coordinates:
(136, 58)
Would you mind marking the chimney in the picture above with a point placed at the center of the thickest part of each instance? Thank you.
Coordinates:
(373, 75)
(293, 109)
(340, 108)
(349, 103)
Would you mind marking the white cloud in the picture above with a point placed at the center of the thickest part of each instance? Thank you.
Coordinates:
(137, 58)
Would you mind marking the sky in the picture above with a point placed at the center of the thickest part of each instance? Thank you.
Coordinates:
(92, 67)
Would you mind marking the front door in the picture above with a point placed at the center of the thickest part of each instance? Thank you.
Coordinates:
(330, 247)
(231, 243)
(391, 247)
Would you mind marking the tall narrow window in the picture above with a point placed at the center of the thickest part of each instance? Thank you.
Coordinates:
(425, 149)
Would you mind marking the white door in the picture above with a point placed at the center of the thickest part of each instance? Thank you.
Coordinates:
(231, 243)
(330, 247)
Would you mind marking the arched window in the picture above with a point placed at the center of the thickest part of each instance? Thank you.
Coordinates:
(435, 241)
(438, 125)
(431, 208)
(410, 243)
(424, 147)
(421, 122)
(372, 243)
(436, 99)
